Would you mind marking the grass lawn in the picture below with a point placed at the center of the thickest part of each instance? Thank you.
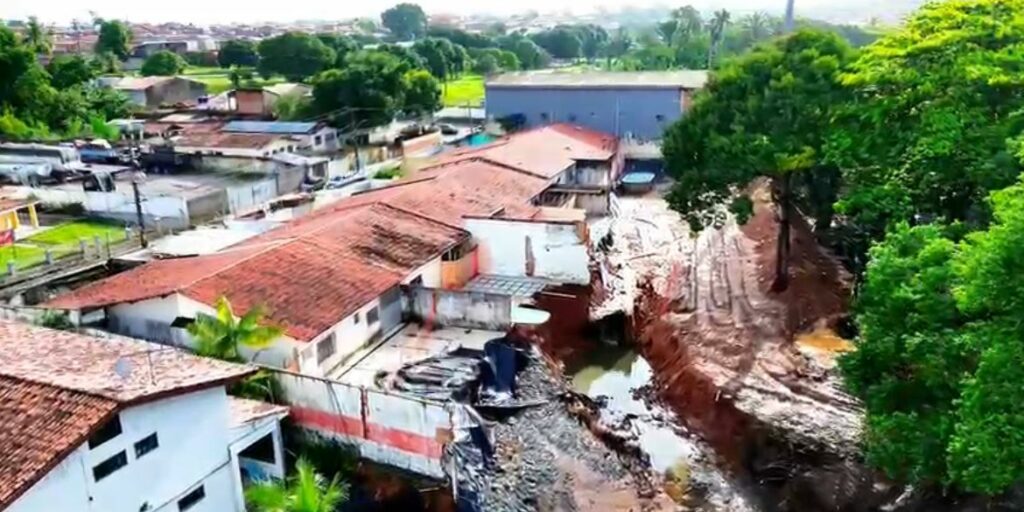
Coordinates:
(27, 255)
(466, 90)
(70, 233)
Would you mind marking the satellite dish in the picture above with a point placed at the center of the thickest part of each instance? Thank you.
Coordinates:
(123, 368)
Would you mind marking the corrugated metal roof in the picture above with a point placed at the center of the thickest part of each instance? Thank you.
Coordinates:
(268, 127)
(685, 79)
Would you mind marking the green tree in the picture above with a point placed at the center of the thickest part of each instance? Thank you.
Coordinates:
(115, 37)
(295, 55)
(163, 63)
(486, 65)
(409, 58)
(618, 46)
(38, 38)
(106, 63)
(367, 92)
(70, 70)
(438, 55)
(238, 53)
(306, 491)
(341, 44)
(934, 104)
(529, 54)
(406, 21)
(765, 114)
(716, 26)
(221, 336)
(561, 42)
(940, 355)
(422, 94)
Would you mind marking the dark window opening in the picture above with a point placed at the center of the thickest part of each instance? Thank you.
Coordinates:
(262, 450)
(355, 318)
(146, 445)
(417, 281)
(372, 316)
(572, 118)
(190, 499)
(107, 432)
(325, 349)
(544, 117)
(105, 468)
(659, 117)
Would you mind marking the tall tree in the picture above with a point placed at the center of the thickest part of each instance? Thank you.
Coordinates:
(619, 45)
(115, 37)
(422, 94)
(295, 55)
(38, 38)
(940, 355)
(438, 55)
(367, 92)
(221, 336)
(934, 103)
(529, 54)
(765, 114)
(163, 63)
(716, 27)
(561, 42)
(406, 21)
(70, 70)
(306, 491)
(238, 53)
(757, 27)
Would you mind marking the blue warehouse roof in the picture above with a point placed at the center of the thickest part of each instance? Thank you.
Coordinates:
(269, 127)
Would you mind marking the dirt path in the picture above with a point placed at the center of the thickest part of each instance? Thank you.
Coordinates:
(719, 342)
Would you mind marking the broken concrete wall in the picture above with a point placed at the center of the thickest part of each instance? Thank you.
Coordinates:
(551, 249)
(457, 308)
(388, 428)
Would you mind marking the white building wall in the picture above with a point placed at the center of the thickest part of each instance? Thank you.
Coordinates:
(278, 146)
(349, 335)
(430, 272)
(192, 431)
(554, 250)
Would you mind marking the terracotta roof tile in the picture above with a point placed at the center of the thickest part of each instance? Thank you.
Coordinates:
(243, 410)
(57, 387)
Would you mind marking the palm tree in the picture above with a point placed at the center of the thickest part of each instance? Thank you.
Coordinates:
(37, 38)
(306, 491)
(220, 336)
(719, 21)
(756, 25)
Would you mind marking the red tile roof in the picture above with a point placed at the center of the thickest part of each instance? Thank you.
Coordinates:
(545, 151)
(57, 387)
(226, 140)
(309, 274)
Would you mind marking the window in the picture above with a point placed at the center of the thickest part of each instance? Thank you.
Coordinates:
(107, 432)
(318, 140)
(325, 349)
(146, 445)
(417, 281)
(659, 117)
(189, 500)
(355, 318)
(372, 316)
(105, 468)
(262, 450)
(543, 117)
(572, 118)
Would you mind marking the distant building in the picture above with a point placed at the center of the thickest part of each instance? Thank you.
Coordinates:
(120, 425)
(316, 137)
(154, 91)
(260, 101)
(637, 104)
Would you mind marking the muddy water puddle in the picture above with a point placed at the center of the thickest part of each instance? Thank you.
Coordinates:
(613, 374)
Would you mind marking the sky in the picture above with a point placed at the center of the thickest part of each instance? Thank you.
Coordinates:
(205, 12)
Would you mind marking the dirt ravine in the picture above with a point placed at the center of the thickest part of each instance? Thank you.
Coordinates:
(721, 345)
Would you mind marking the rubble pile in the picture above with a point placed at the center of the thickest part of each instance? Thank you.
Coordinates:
(546, 458)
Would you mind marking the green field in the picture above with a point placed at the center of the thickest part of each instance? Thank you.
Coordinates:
(466, 90)
(62, 240)
(218, 80)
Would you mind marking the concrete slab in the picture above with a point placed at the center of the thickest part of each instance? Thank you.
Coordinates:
(411, 343)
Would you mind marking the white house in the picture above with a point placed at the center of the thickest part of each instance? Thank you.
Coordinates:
(330, 280)
(121, 425)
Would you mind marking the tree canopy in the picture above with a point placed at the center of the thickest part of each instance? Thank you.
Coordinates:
(70, 70)
(295, 55)
(422, 93)
(562, 42)
(238, 52)
(406, 21)
(765, 114)
(163, 63)
(115, 37)
(367, 92)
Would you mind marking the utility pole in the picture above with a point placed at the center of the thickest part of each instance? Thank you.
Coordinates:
(139, 177)
(790, 22)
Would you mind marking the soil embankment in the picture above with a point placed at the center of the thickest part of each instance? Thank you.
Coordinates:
(721, 346)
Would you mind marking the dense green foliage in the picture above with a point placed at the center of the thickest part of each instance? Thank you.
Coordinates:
(406, 21)
(238, 52)
(115, 37)
(422, 93)
(295, 55)
(369, 91)
(37, 105)
(306, 491)
(764, 115)
(941, 355)
(221, 336)
(163, 63)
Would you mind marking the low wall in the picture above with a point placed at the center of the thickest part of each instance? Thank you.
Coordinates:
(397, 430)
(457, 308)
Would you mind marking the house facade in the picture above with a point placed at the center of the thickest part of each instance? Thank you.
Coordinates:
(313, 137)
(154, 91)
(626, 104)
(120, 425)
